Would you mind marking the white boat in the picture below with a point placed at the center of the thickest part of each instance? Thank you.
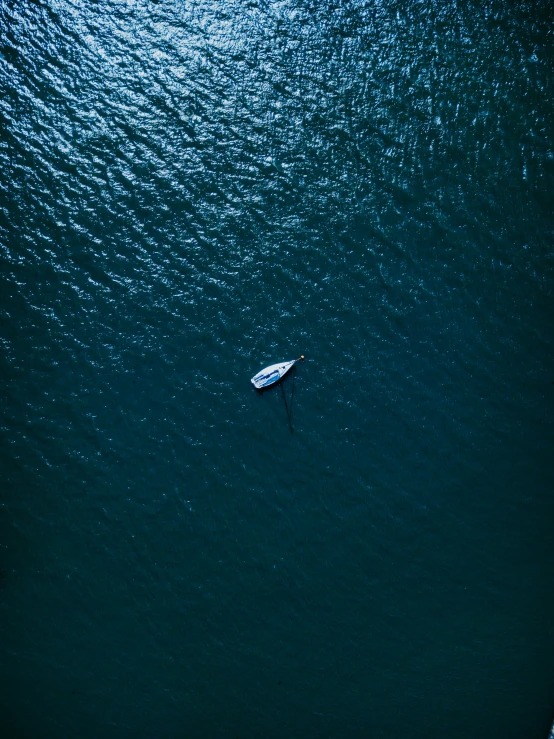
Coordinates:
(272, 374)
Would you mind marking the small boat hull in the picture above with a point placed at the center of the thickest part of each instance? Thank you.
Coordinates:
(272, 374)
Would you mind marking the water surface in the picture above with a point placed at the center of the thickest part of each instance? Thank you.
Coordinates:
(193, 191)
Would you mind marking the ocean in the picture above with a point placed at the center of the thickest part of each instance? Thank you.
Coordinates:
(191, 191)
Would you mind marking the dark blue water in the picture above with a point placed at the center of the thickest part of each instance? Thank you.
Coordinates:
(191, 191)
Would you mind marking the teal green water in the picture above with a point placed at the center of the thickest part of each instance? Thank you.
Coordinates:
(193, 191)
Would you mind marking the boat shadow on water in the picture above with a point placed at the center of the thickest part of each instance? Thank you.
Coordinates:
(274, 375)
(280, 384)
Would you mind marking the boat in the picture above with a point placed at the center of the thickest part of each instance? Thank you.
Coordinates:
(272, 374)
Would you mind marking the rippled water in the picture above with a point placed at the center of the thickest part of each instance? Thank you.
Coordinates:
(192, 191)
